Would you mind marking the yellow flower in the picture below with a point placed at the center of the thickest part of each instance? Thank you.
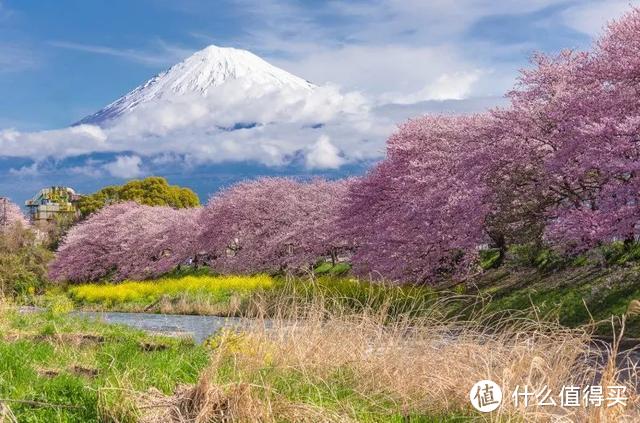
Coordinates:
(136, 291)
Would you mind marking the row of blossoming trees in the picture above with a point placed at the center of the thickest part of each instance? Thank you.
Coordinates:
(560, 165)
(267, 225)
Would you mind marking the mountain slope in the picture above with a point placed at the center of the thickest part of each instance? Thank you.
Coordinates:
(199, 74)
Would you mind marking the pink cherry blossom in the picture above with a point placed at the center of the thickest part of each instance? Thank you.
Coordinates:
(272, 224)
(10, 214)
(126, 240)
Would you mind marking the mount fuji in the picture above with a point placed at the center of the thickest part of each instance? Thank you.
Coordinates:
(222, 105)
(221, 115)
(200, 75)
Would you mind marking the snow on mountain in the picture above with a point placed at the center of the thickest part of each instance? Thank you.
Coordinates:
(200, 74)
(220, 105)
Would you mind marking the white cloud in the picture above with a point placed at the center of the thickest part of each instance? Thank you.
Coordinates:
(276, 125)
(163, 54)
(15, 58)
(91, 168)
(58, 143)
(387, 47)
(590, 17)
(31, 170)
(125, 167)
(456, 86)
(323, 155)
(383, 71)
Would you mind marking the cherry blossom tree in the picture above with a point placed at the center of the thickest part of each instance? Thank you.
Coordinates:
(127, 240)
(579, 114)
(422, 211)
(10, 214)
(272, 224)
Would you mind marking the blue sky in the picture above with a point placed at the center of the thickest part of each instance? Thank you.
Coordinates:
(61, 60)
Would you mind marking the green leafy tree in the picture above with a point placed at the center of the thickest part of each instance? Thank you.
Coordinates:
(151, 191)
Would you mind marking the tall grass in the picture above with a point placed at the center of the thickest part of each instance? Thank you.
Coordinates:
(307, 361)
(345, 294)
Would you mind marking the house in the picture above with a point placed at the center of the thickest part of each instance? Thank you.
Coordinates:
(53, 203)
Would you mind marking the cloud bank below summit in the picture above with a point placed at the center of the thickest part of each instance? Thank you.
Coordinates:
(226, 105)
(328, 128)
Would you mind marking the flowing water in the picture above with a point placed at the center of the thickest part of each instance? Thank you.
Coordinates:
(197, 327)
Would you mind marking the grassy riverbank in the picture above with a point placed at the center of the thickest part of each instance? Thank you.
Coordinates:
(57, 368)
(320, 357)
(54, 367)
(572, 296)
(310, 363)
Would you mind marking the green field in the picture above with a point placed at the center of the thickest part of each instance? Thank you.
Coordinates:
(54, 368)
(58, 368)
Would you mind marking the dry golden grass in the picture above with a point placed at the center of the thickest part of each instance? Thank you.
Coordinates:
(298, 366)
(185, 304)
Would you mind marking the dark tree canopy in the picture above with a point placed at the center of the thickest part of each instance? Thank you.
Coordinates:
(151, 191)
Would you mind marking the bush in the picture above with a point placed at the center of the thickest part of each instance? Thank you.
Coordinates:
(619, 252)
(151, 191)
(23, 262)
(326, 268)
(534, 255)
(59, 304)
(490, 258)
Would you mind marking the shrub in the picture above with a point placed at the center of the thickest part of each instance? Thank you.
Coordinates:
(152, 191)
(490, 258)
(23, 262)
(619, 252)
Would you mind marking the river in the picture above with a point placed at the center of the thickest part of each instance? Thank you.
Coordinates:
(197, 327)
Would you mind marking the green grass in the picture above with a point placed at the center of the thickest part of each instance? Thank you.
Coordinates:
(33, 345)
(573, 296)
(326, 268)
(349, 294)
(39, 351)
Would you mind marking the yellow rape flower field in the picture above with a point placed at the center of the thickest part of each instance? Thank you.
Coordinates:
(199, 294)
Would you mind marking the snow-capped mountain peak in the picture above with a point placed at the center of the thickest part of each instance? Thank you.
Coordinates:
(199, 74)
